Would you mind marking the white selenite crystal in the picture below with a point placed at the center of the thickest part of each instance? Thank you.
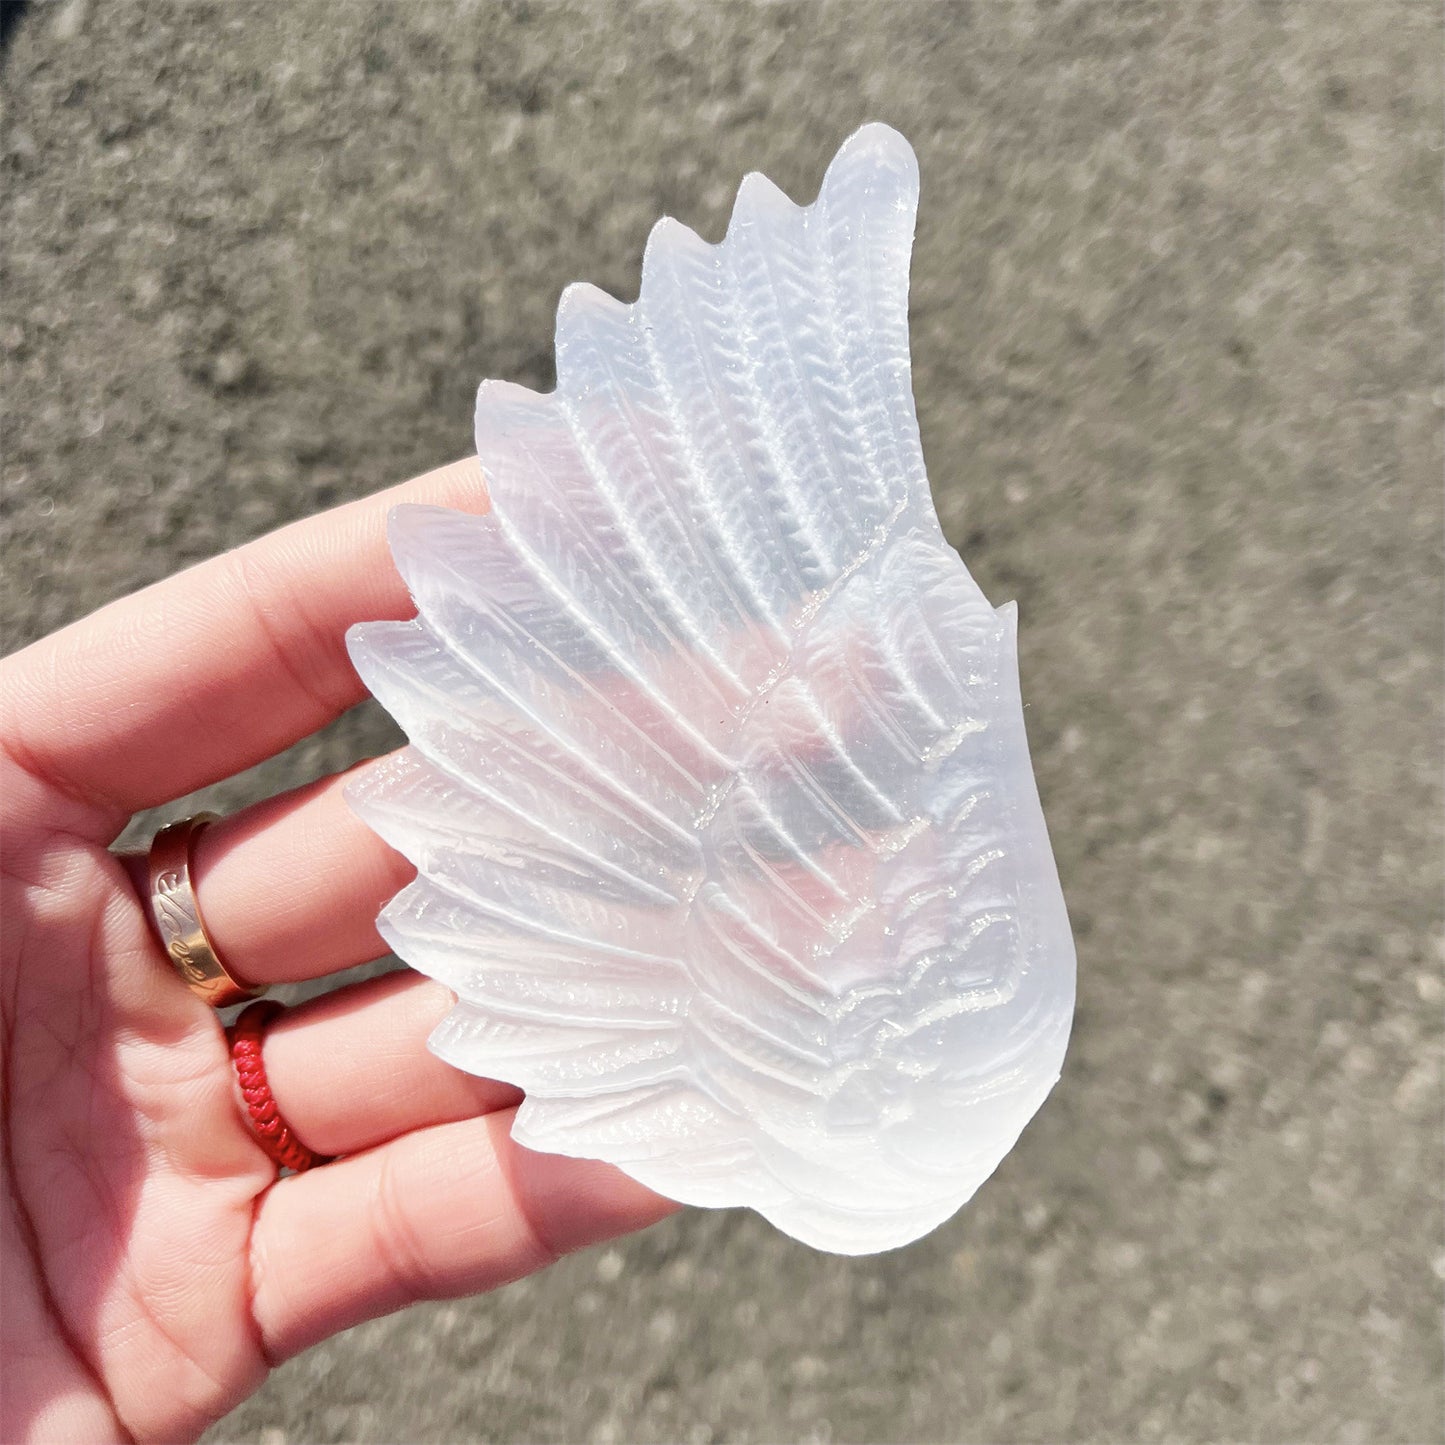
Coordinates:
(718, 789)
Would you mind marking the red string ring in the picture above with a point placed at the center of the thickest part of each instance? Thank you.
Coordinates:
(272, 1132)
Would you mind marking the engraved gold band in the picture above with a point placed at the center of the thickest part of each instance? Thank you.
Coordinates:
(177, 915)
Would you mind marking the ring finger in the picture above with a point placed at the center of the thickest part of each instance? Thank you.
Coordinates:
(351, 1070)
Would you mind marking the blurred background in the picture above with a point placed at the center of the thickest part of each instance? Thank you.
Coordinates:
(1177, 320)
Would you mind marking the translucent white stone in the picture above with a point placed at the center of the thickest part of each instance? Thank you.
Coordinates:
(718, 789)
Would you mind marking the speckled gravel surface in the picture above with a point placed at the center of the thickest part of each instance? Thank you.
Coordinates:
(1177, 311)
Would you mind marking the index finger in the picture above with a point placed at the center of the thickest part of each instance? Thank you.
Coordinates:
(217, 668)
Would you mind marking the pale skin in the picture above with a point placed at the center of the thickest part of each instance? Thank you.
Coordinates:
(154, 1267)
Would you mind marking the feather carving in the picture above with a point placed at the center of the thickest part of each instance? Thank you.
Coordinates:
(726, 832)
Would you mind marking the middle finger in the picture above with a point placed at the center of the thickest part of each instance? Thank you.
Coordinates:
(290, 888)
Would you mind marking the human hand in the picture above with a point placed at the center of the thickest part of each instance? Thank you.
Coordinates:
(155, 1269)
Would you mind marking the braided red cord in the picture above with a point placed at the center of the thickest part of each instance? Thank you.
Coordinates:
(271, 1130)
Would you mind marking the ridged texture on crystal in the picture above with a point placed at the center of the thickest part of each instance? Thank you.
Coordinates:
(718, 789)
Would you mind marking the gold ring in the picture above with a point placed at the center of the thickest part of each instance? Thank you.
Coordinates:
(177, 915)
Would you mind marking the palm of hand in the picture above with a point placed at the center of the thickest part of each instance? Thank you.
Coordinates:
(154, 1267)
(130, 1179)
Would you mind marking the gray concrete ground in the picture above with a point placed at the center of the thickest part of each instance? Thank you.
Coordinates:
(1177, 311)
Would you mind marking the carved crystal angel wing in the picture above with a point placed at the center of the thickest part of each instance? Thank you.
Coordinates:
(718, 791)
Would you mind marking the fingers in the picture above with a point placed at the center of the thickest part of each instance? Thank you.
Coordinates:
(290, 888)
(352, 1070)
(450, 1206)
(216, 668)
(446, 1211)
